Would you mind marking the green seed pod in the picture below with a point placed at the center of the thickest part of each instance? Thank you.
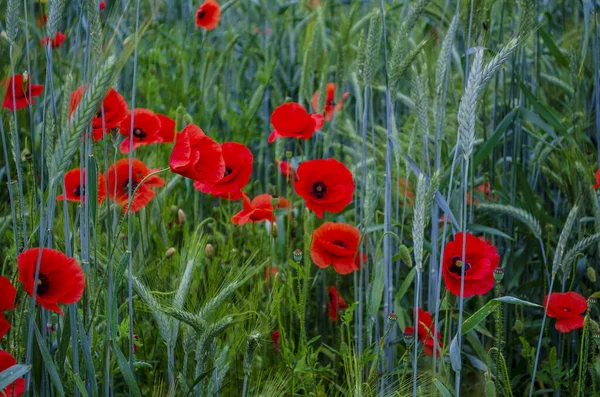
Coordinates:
(298, 255)
(591, 273)
(490, 389)
(405, 255)
(498, 274)
(519, 327)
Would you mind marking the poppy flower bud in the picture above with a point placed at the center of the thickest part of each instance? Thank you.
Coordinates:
(519, 327)
(102, 5)
(209, 251)
(597, 337)
(181, 216)
(591, 273)
(25, 77)
(297, 255)
(490, 389)
(170, 252)
(498, 274)
(274, 230)
(288, 154)
(409, 336)
(274, 202)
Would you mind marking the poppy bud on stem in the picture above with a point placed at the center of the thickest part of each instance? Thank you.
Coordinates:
(209, 250)
(181, 216)
(170, 252)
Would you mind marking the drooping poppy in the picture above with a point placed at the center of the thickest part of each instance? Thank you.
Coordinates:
(75, 190)
(336, 244)
(481, 259)
(61, 279)
(146, 129)
(118, 184)
(405, 191)
(114, 109)
(208, 15)
(325, 185)
(275, 339)
(330, 106)
(260, 209)
(16, 388)
(481, 190)
(197, 157)
(291, 120)
(167, 128)
(426, 331)
(287, 170)
(567, 309)
(336, 303)
(21, 96)
(8, 293)
(597, 185)
(238, 168)
(57, 41)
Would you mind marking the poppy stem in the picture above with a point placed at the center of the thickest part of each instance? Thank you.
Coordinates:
(539, 345)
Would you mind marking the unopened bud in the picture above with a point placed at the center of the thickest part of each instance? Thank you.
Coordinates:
(25, 77)
(209, 251)
(297, 255)
(591, 273)
(519, 327)
(591, 301)
(274, 230)
(490, 389)
(288, 154)
(181, 216)
(170, 252)
(498, 274)
(274, 202)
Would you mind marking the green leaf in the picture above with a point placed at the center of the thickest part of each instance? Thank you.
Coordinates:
(489, 230)
(376, 290)
(555, 51)
(80, 385)
(444, 392)
(126, 371)
(50, 366)
(91, 187)
(406, 284)
(486, 149)
(481, 314)
(546, 113)
(9, 375)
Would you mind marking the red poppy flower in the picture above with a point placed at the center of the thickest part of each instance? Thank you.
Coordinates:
(325, 185)
(406, 191)
(336, 303)
(75, 190)
(287, 170)
(330, 106)
(260, 209)
(481, 259)
(275, 338)
(197, 157)
(41, 20)
(238, 168)
(16, 388)
(61, 279)
(21, 97)
(102, 5)
(8, 293)
(114, 107)
(118, 182)
(270, 270)
(146, 129)
(291, 120)
(336, 244)
(567, 309)
(57, 41)
(483, 189)
(426, 330)
(597, 185)
(208, 15)
(167, 128)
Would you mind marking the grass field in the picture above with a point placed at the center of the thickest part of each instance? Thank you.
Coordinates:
(299, 198)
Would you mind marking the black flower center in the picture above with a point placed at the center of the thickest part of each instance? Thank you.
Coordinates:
(139, 133)
(200, 14)
(43, 284)
(457, 265)
(318, 189)
(79, 190)
(228, 171)
(566, 309)
(331, 103)
(126, 186)
(340, 243)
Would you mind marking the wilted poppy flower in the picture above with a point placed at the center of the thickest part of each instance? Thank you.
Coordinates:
(208, 15)
(21, 96)
(597, 185)
(260, 209)
(57, 41)
(238, 168)
(8, 293)
(197, 157)
(481, 259)
(291, 120)
(325, 185)
(275, 338)
(567, 309)
(287, 170)
(118, 182)
(61, 279)
(114, 108)
(406, 191)
(426, 330)
(336, 244)
(147, 127)
(330, 106)
(167, 128)
(336, 303)
(16, 388)
(483, 189)
(75, 190)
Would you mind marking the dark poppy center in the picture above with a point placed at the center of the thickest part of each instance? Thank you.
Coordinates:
(457, 265)
(99, 114)
(43, 284)
(331, 103)
(79, 190)
(340, 243)
(318, 189)
(228, 171)
(201, 14)
(126, 186)
(566, 309)
(139, 133)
